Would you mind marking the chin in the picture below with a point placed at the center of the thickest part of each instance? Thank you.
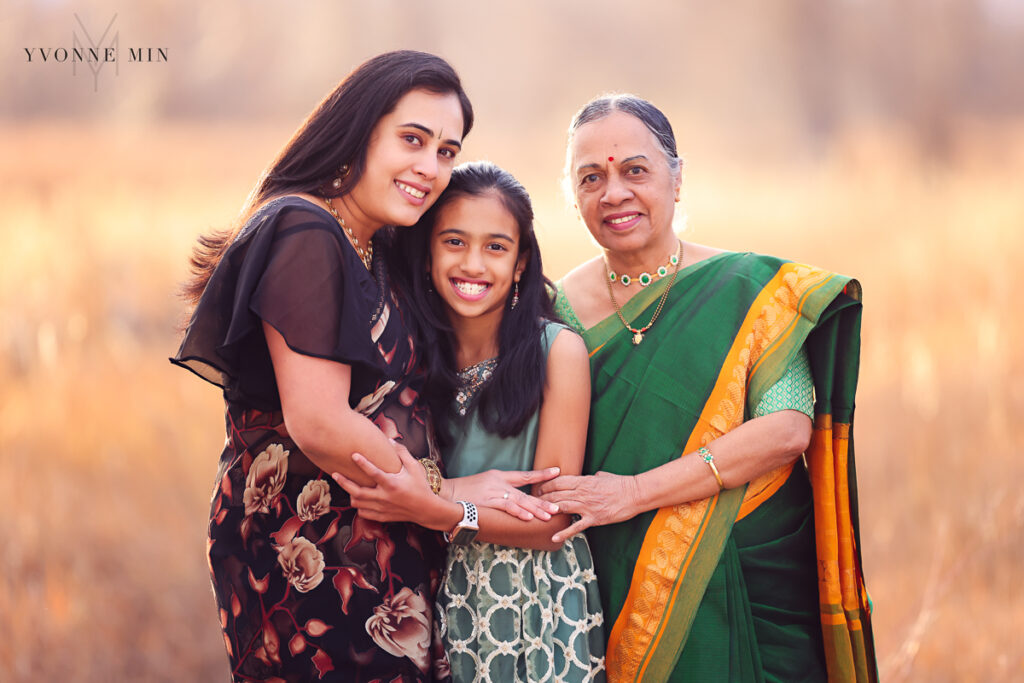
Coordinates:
(628, 241)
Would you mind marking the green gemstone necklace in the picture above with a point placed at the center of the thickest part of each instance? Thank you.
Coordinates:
(638, 334)
(645, 278)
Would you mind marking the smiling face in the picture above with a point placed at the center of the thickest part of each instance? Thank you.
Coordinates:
(624, 189)
(474, 256)
(409, 161)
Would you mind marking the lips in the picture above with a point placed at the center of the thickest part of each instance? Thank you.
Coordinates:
(622, 221)
(470, 290)
(415, 193)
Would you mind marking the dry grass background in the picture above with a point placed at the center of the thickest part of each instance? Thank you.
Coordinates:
(107, 453)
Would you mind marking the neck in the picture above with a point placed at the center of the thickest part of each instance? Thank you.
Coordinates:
(476, 339)
(356, 221)
(645, 259)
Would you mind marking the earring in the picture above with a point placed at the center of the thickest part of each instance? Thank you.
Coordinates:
(336, 183)
(515, 297)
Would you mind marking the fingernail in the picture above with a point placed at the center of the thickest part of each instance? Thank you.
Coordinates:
(553, 508)
(553, 470)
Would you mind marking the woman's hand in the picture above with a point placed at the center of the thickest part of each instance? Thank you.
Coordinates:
(403, 496)
(499, 490)
(598, 499)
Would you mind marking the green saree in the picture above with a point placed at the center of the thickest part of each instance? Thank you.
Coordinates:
(722, 589)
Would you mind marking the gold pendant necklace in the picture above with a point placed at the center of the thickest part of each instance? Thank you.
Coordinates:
(365, 254)
(638, 334)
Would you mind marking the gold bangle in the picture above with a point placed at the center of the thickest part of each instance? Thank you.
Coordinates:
(705, 454)
(433, 474)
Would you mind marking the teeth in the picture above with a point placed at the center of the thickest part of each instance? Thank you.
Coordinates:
(624, 219)
(419, 194)
(470, 288)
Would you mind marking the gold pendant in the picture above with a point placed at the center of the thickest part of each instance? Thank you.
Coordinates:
(637, 338)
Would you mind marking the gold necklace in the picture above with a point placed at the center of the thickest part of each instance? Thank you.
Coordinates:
(638, 335)
(365, 254)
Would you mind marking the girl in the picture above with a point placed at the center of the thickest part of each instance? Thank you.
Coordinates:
(508, 388)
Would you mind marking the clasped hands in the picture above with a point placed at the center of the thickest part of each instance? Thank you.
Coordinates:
(593, 500)
(403, 496)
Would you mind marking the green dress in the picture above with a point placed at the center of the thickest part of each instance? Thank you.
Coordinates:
(515, 614)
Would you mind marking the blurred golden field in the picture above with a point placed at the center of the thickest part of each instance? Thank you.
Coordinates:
(108, 452)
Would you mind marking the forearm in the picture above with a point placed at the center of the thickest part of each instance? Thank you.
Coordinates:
(314, 400)
(329, 438)
(754, 448)
(502, 529)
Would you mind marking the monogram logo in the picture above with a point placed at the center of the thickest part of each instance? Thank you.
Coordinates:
(95, 50)
(96, 64)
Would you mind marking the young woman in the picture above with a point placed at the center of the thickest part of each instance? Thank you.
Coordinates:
(294, 319)
(508, 388)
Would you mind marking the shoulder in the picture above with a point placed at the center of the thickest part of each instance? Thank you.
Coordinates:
(583, 287)
(695, 253)
(565, 346)
(799, 278)
(747, 263)
(289, 211)
(302, 206)
(291, 225)
(579, 277)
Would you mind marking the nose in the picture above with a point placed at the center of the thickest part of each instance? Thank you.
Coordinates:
(472, 262)
(426, 165)
(616, 190)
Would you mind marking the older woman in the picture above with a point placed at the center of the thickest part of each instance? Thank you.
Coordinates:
(721, 557)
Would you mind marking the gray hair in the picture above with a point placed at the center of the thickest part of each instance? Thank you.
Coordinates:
(644, 111)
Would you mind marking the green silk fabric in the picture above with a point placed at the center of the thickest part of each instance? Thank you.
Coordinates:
(735, 620)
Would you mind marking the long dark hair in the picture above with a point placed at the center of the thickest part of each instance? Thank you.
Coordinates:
(335, 134)
(516, 388)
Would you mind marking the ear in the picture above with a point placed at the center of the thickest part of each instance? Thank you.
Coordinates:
(524, 258)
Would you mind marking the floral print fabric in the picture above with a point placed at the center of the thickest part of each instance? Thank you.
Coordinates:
(306, 588)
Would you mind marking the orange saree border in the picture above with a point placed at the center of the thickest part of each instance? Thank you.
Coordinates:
(668, 555)
(844, 602)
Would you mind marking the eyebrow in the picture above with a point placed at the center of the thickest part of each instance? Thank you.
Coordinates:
(420, 126)
(624, 161)
(493, 235)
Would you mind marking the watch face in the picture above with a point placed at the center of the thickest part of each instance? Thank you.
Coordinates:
(463, 535)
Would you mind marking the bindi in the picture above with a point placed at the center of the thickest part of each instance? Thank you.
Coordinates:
(611, 158)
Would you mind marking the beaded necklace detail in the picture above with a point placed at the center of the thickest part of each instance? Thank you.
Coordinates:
(366, 255)
(645, 278)
(470, 381)
(638, 334)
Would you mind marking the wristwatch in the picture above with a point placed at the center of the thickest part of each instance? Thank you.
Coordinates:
(464, 531)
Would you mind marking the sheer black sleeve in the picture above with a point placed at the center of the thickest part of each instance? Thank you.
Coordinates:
(291, 267)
